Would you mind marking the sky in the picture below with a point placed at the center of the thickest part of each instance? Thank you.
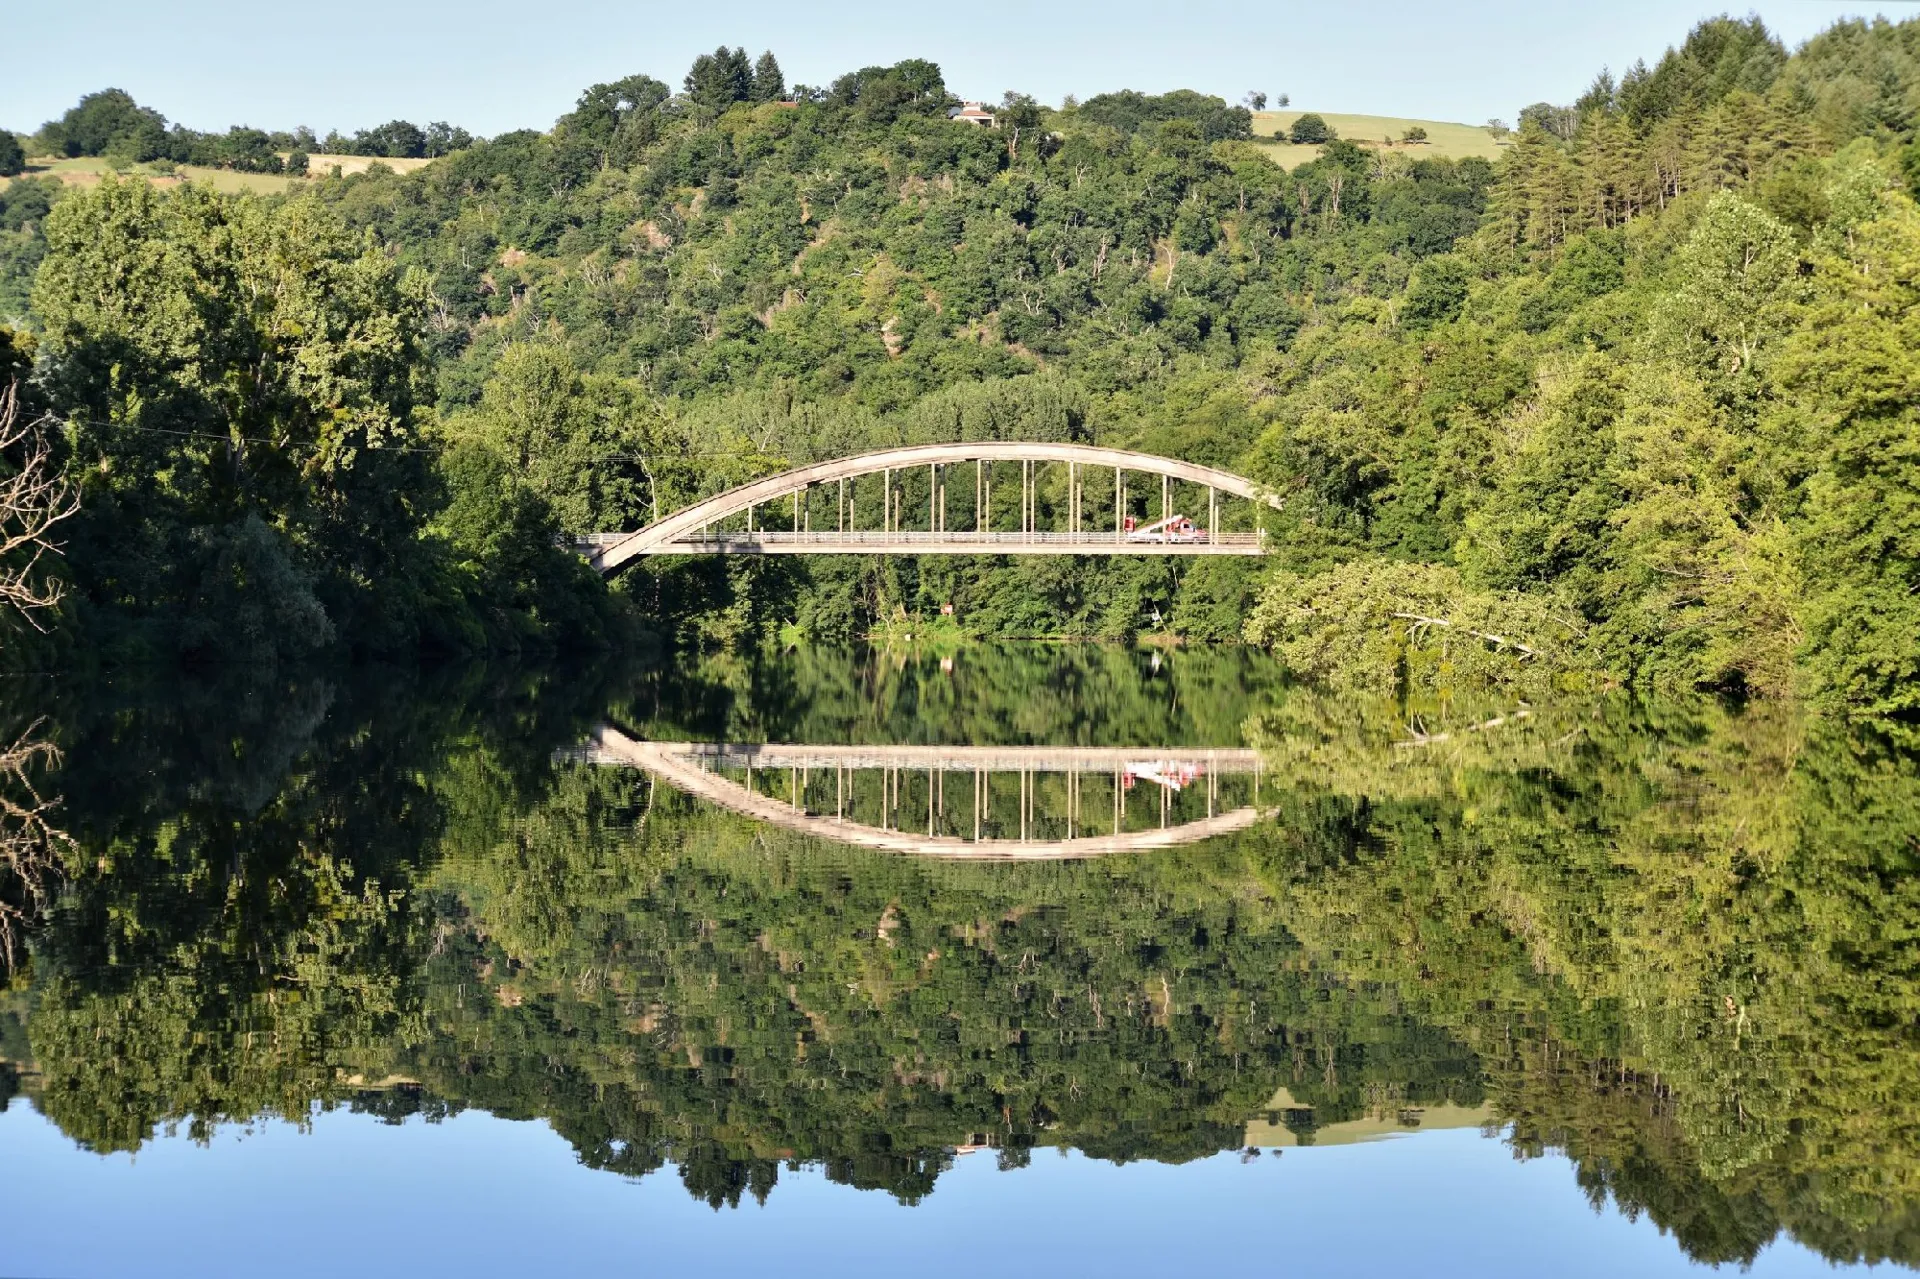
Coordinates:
(491, 65)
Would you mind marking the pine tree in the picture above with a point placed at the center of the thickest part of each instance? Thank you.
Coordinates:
(768, 84)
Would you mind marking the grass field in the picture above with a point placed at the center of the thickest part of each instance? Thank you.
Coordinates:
(318, 165)
(88, 170)
(1444, 140)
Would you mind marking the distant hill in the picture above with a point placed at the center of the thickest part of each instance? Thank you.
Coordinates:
(1444, 140)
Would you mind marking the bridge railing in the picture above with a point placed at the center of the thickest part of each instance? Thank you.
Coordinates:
(711, 540)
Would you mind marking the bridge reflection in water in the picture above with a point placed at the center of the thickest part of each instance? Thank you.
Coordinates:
(1023, 803)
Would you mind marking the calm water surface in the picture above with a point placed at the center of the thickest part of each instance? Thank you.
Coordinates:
(1022, 958)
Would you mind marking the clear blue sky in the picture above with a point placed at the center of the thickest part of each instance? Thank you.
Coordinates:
(491, 66)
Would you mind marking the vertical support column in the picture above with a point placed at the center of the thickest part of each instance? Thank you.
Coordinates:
(979, 468)
(933, 500)
(886, 500)
(749, 518)
(929, 803)
(1166, 496)
(979, 801)
(1118, 802)
(796, 510)
(1119, 503)
(1073, 501)
(1213, 515)
(1026, 500)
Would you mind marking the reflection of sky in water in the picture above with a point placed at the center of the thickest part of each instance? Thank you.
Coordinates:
(479, 1196)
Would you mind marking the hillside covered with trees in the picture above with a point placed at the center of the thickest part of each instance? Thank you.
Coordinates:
(1638, 398)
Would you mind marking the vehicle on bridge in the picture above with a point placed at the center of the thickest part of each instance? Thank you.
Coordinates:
(1174, 528)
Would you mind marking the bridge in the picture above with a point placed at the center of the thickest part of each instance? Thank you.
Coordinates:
(777, 515)
(894, 798)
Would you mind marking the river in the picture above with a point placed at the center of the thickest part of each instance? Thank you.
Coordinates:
(1023, 958)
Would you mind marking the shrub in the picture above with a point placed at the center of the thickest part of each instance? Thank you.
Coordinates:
(1311, 130)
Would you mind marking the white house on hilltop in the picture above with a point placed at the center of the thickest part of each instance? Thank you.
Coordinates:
(972, 113)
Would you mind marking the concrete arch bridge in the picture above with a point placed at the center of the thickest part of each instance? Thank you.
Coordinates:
(968, 803)
(812, 510)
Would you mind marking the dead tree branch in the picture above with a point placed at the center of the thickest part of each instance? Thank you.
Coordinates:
(35, 495)
(1420, 622)
(31, 846)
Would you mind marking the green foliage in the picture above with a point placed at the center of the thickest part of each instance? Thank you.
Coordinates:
(1720, 56)
(108, 123)
(1310, 130)
(721, 78)
(1852, 361)
(13, 156)
(1129, 112)
(261, 367)
(1379, 626)
(240, 383)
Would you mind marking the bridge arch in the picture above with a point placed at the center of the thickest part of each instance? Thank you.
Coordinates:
(688, 531)
(692, 768)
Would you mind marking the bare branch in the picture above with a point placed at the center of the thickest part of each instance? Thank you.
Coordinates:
(1501, 641)
(35, 495)
(31, 847)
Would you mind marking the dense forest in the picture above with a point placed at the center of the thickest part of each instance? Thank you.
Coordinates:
(1633, 405)
(1674, 945)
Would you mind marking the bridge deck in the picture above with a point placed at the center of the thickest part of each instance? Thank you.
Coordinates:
(964, 759)
(968, 542)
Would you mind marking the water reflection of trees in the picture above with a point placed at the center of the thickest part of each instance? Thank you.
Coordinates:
(1675, 943)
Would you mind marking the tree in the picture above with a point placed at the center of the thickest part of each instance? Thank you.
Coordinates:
(1499, 130)
(769, 85)
(444, 139)
(396, 139)
(1737, 280)
(1415, 133)
(34, 497)
(13, 157)
(1439, 292)
(1559, 122)
(720, 79)
(585, 445)
(616, 119)
(240, 380)
(1311, 130)
(1852, 364)
(109, 122)
(1256, 100)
